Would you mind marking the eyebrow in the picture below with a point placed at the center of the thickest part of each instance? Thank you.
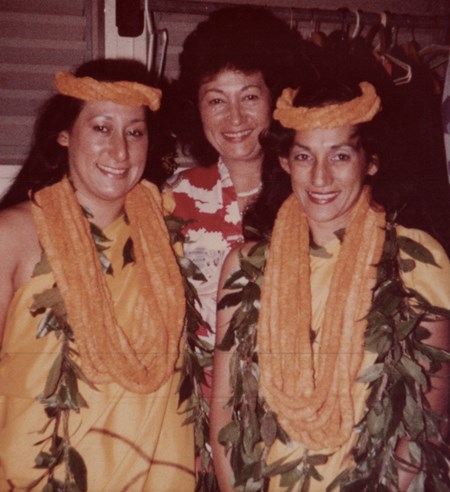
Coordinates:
(356, 146)
(250, 86)
(109, 117)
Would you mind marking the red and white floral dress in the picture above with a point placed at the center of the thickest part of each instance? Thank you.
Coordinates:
(206, 196)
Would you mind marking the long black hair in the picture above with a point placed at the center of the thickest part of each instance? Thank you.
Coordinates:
(47, 161)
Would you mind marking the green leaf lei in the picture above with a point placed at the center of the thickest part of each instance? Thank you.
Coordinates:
(196, 357)
(396, 408)
(61, 394)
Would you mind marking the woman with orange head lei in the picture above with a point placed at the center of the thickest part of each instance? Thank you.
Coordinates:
(92, 301)
(332, 329)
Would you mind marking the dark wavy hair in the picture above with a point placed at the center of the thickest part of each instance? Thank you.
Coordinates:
(244, 38)
(277, 142)
(47, 161)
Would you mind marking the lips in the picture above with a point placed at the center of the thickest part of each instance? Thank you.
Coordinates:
(237, 136)
(322, 198)
(112, 171)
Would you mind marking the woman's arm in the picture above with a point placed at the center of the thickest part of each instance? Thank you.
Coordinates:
(438, 396)
(7, 267)
(432, 280)
(19, 252)
(221, 388)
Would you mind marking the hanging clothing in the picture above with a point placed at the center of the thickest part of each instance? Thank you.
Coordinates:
(446, 117)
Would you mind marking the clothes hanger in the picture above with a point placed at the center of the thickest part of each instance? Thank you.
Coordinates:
(358, 26)
(434, 56)
(406, 77)
(435, 48)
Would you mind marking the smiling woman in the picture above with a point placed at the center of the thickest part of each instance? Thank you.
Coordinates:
(235, 109)
(333, 331)
(85, 258)
(232, 69)
(107, 151)
(328, 168)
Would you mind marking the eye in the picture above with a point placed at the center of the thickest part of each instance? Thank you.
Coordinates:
(302, 156)
(101, 128)
(341, 157)
(251, 97)
(136, 132)
(215, 101)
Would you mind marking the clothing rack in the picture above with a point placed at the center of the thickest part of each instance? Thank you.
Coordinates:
(342, 16)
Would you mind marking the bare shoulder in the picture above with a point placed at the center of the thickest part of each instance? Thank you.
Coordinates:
(16, 224)
(19, 252)
(19, 244)
(239, 250)
(232, 261)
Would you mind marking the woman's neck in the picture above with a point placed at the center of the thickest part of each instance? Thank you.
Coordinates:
(246, 179)
(245, 175)
(323, 233)
(103, 212)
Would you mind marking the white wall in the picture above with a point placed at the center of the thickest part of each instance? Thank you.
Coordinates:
(7, 175)
(118, 47)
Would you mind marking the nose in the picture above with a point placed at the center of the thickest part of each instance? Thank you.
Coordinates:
(320, 174)
(236, 113)
(119, 147)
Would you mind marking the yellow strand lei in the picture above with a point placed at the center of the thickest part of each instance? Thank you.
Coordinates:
(146, 362)
(122, 92)
(359, 110)
(312, 397)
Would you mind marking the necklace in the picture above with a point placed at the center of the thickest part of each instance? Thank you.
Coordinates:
(253, 191)
(159, 331)
(378, 430)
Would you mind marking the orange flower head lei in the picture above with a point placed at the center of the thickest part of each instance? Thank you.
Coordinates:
(359, 110)
(121, 92)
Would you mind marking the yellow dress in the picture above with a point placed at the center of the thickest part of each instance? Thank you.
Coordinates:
(129, 441)
(430, 281)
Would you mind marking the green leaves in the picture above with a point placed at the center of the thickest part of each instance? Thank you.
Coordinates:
(175, 225)
(229, 434)
(269, 426)
(416, 250)
(254, 428)
(196, 357)
(78, 469)
(99, 238)
(128, 253)
(61, 392)
(53, 377)
(42, 267)
(397, 407)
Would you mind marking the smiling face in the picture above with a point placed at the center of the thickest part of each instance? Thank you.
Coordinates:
(107, 150)
(327, 169)
(235, 108)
